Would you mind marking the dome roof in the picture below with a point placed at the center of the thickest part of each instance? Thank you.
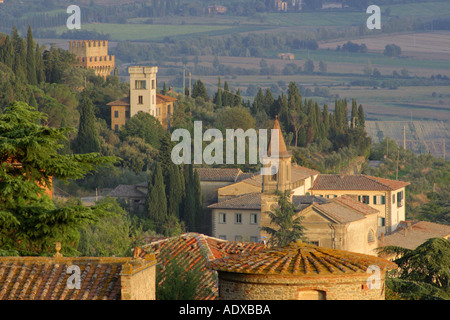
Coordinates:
(300, 259)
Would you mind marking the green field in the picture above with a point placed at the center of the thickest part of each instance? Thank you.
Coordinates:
(148, 32)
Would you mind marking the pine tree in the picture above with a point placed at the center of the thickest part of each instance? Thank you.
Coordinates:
(31, 222)
(258, 102)
(31, 59)
(87, 138)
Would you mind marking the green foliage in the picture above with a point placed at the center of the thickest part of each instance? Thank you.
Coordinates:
(423, 272)
(29, 158)
(287, 226)
(177, 279)
(87, 138)
(145, 126)
(156, 202)
(110, 235)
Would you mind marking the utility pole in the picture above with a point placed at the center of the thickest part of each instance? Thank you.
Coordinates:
(396, 173)
(404, 137)
(184, 79)
(189, 83)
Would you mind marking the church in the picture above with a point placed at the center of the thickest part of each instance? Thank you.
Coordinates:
(346, 212)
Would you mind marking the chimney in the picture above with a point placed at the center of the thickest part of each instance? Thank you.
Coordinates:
(408, 224)
(138, 278)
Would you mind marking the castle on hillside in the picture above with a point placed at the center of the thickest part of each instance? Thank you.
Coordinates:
(93, 54)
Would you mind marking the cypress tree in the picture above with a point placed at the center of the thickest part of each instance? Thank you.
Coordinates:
(87, 138)
(226, 97)
(361, 120)
(199, 214)
(218, 98)
(268, 100)
(7, 53)
(31, 59)
(354, 115)
(40, 73)
(156, 199)
(238, 98)
(189, 204)
(19, 59)
(258, 103)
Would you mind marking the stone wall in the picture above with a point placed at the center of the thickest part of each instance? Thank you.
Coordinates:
(234, 286)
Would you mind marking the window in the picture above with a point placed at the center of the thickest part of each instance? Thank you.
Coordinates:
(254, 239)
(140, 84)
(400, 199)
(379, 199)
(238, 218)
(153, 84)
(393, 198)
(364, 199)
(116, 114)
(253, 218)
(316, 243)
(223, 237)
(116, 127)
(222, 217)
(370, 236)
(381, 222)
(140, 100)
(331, 196)
(237, 238)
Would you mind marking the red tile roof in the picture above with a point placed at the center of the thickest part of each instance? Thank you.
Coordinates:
(218, 174)
(163, 99)
(45, 278)
(413, 235)
(198, 249)
(120, 102)
(249, 201)
(356, 182)
(299, 259)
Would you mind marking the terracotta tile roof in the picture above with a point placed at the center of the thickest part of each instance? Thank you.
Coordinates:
(299, 259)
(417, 233)
(198, 249)
(125, 190)
(338, 212)
(162, 98)
(45, 278)
(219, 174)
(120, 102)
(249, 201)
(355, 204)
(355, 182)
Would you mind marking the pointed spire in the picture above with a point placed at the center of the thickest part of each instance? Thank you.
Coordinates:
(282, 150)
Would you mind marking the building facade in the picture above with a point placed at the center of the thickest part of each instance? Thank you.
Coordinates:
(143, 97)
(301, 271)
(385, 195)
(93, 54)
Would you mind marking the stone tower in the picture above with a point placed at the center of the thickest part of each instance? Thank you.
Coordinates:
(280, 178)
(93, 54)
(142, 90)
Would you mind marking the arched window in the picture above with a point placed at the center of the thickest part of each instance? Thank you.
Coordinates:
(370, 236)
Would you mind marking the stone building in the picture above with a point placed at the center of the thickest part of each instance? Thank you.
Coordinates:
(385, 195)
(143, 97)
(55, 278)
(93, 54)
(301, 272)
